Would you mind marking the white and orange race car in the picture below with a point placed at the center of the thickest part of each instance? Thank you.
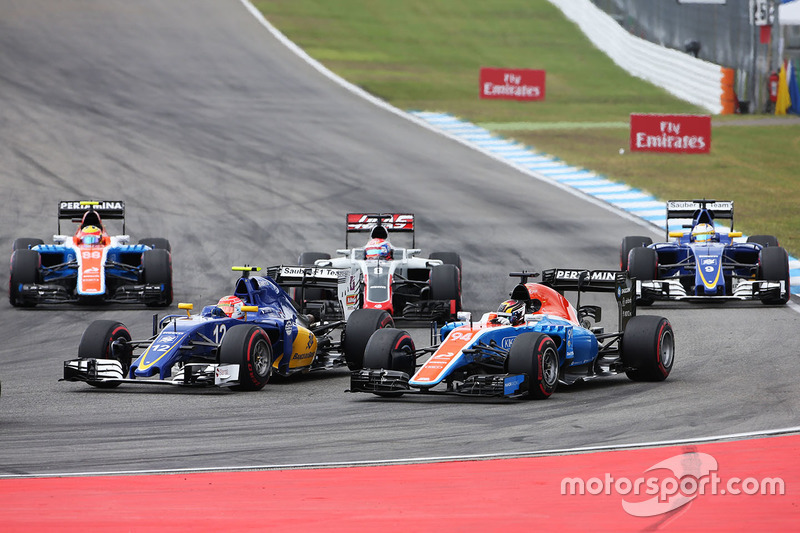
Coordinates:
(90, 266)
(535, 341)
(391, 278)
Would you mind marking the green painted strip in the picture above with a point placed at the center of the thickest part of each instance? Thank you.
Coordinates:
(534, 126)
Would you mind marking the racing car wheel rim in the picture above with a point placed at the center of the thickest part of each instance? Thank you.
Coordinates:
(666, 348)
(261, 358)
(550, 367)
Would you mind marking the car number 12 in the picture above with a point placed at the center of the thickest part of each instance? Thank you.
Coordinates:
(219, 332)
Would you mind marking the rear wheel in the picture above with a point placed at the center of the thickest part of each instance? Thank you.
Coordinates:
(447, 258)
(156, 243)
(24, 270)
(764, 240)
(536, 355)
(628, 244)
(643, 265)
(107, 339)
(361, 324)
(775, 267)
(249, 347)
(648, 348)
(157, 267)
(446, 285)
(25, 243)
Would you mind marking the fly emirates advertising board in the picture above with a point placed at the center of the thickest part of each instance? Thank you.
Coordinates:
(680, 134)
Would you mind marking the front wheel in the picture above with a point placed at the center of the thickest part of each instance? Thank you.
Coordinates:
(775, 267)
(390, 349)
(24, 270)
(643, 265)
(648, 348)
(249, 347)
(628, 244)
(536, 355)
(25, 243)
(360, 326)
(107, 339)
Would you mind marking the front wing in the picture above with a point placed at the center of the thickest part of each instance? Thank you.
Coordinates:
(672, 289)
(394, 382)
(110, 371)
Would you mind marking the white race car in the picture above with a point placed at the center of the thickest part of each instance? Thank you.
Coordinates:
(393, 279)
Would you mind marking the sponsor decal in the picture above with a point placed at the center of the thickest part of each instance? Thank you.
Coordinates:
(309, 272)
(511, 384)
(512, 84)
(678, 205)
(100, 206)
(392, 221)
(507, 342)
(689, 134)
(595, 275)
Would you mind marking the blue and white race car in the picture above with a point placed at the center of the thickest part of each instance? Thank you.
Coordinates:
(238, 342)
(90, 266)
(704, 262)
(535, 341)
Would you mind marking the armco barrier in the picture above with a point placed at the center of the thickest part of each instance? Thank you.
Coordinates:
(697, 81)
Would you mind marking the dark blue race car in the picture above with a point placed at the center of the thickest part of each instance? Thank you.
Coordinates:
(704, 262)
(239, 342)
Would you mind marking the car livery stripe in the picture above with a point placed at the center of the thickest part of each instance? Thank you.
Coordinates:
(436, 367)
(158, 351)
(91, 269)
(635, 202)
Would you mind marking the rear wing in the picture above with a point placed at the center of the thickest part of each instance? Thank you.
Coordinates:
(699, 211)
(297, 276)
(616, 281)
(342, 281)
(391, 222)
(107, 209)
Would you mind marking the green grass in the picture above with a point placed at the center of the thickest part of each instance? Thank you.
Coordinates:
(426, 55)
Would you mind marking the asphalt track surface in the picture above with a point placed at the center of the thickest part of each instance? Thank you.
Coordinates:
(221, 140)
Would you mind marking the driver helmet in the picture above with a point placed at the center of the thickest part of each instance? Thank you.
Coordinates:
(703, 233)
(378, 249)
(231, 306)
(514, 309)
(90, 235)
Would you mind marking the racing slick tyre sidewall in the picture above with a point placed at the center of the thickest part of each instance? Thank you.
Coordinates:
(764, 240)
(360, 326)
(445, 284)
(536, 355)
(390, 349)
(157, 243)
(24, 269)
(628, 244)
(643, 265)
(157, 268)
(25, 243)
(648, 348)
(774, 266)
(249, 347)
(308, 259)
(97, 341)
